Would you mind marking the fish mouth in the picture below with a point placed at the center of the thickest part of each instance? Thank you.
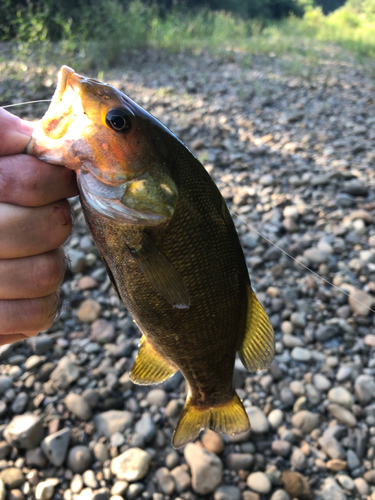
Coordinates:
(65, 105)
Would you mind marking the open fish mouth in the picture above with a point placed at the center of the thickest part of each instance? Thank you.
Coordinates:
(66, 105)
(64, 121)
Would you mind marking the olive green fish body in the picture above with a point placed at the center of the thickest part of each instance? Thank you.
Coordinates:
(169, 245)
(201, 242)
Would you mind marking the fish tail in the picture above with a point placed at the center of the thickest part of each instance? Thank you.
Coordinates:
(229, 418)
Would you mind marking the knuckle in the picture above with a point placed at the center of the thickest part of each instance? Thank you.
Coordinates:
(49, 272)
(41, 312)
(60, 223)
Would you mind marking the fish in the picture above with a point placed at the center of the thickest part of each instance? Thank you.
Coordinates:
(169, 246)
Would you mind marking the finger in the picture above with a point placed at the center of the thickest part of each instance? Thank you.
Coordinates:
(32, 277)
(32, 231)
(27, 316)
(13, 337)
(27, 181)
(14, 133)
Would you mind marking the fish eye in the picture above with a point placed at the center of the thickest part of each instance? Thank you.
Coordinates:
(119, 120)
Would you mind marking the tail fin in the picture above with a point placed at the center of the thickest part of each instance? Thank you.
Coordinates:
(229, 418)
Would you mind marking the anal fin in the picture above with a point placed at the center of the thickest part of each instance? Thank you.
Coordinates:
(229, 418)
(150, 367)
(258, 346)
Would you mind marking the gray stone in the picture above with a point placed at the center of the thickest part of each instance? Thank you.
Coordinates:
(65, 373)
(46, 489)
(352, 460)
(361, 486)
(33, 362)
(365, 389)
(280, 495)
(41, 344)
(326, 332)
(227, 493)
(306, 420)
(332, 491)
(35, 458)
(112, 421)
(259, 482)
(165, 480)
(24, 431)
(301, 354)
(78, 405)
(100, 452)
(89, 479)
(20, 403)
(298, 459)
(102, 331)
(5, 449)
(346, 482)
(5, 383)
(145, 427)
(3, 492)
(316, 256)
(182, 478)
(239, 461)
(101, 494)
(79, 459)
(119, 488)
(341, 396)
(332, 447)
(76, 484)
(132, 465)
(281, 447)
(275, 418)
(258, 420)
(342, 414)
(134, 491)
(55, 446)
(157, 397)
(12, 477)
(77, 260)
(206, 468)
(360, 302)
(321, 382)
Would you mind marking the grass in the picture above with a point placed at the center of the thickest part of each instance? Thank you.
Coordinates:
(109, 29)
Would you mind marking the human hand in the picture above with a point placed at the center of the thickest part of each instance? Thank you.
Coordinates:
(35, 221)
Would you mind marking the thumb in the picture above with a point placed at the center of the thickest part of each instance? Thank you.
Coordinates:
(14, 133)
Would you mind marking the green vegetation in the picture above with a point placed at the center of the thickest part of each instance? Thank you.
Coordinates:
(94, 33)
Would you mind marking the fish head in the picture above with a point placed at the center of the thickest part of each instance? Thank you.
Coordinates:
(96, 130)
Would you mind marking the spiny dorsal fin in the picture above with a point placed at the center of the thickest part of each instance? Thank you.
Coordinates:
(161, 273)
(150, 367)
(229, 418)
(258, 346)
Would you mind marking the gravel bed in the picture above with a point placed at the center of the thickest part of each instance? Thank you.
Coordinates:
(293, 156)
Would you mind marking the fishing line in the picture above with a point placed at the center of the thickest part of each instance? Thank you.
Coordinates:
(298, 262)
(250, 227)
(22, 103)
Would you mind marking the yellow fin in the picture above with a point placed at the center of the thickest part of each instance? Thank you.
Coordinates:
(150, 367)
(229, 418)
(258, 346)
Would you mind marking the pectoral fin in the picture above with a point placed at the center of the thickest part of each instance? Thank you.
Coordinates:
(149, 367)
(161, 273)
(258, 347)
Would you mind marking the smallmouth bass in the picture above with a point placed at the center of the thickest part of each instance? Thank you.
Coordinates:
(169, 246)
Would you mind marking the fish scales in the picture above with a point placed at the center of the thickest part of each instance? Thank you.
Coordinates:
(169, 246)
(216, 277)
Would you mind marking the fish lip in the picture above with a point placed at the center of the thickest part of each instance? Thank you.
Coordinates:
(62, 81)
